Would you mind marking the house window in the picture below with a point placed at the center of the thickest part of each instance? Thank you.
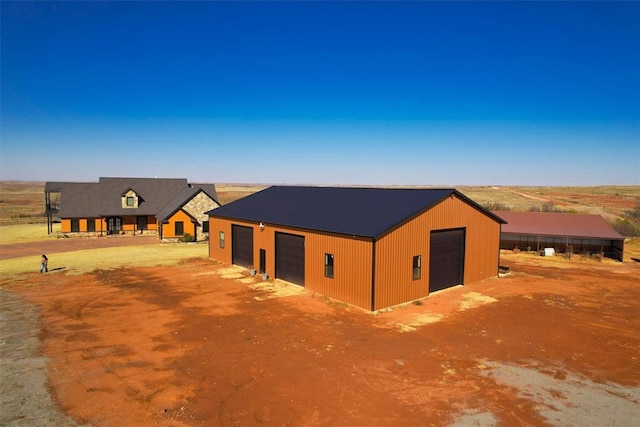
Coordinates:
(75, 225)
(205, 226)
(142, 222)
(222, 240)
(91, 224)
(328, 265)
(130, 201)
(179, 230)
(417, 265)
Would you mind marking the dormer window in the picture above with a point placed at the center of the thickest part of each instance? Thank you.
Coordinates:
(130, 199)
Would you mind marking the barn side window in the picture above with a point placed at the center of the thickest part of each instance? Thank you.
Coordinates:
(222, 240)
(417, 266)
(130, 201)
(205, 226)
(328, 265)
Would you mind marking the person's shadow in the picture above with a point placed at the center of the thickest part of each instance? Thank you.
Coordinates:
(57, 268)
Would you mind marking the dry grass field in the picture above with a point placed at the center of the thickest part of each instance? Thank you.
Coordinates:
(21, 199)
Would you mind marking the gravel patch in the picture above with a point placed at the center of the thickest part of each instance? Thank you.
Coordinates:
(569, 399)
(24, 397)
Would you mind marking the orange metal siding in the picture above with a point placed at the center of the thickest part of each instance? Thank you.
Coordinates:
(352, 268)
(395, 251)
(351, 282)
(65, 225)
(217, 225)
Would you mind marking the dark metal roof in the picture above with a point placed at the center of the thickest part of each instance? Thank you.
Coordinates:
(364, 212)
(104, 198)
(558, 224)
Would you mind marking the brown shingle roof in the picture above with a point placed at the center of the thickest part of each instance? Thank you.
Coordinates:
(185, 196)
(558, 224)
(104, 198)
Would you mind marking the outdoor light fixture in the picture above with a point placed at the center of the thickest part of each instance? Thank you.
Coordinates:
(261, 227)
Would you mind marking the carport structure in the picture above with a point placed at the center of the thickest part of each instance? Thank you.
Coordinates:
(369, 247)
(565, 232)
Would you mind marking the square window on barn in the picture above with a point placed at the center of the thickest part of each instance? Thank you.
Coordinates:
(179, 229)
(417, 266)
(205, 226)
(328, 265)
(222, 240)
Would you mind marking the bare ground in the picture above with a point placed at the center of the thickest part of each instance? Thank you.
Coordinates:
(554, 343)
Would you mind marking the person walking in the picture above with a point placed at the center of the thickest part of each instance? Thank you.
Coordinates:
(44, 264)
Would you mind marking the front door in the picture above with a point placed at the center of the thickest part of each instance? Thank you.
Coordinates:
(114, 225)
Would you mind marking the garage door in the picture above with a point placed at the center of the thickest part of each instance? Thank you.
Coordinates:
(290, 258)
(446, 260)
(242, 245)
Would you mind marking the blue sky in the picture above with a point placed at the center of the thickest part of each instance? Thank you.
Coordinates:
(420, 93)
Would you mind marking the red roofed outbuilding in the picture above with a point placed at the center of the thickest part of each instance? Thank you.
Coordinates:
(565, 232)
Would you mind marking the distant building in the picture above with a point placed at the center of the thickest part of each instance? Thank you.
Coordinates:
(369, 247)
(565, 232)
(169, 207)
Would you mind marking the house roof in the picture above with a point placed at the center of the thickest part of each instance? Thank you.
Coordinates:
(185, 196)
(558, 224)
(364, 212)
(104, 198)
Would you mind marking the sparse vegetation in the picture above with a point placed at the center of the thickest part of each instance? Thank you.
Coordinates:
(546, 207)
(496, 206)
(629, 224)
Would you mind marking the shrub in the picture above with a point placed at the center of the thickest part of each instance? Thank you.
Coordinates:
(627, 227)
(546, 207)
(187, 237)
(496, 206)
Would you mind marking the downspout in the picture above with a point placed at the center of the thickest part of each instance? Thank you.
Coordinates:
(373, 274)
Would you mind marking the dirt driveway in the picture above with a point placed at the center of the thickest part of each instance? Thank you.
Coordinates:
(54, 245)
(554, 343)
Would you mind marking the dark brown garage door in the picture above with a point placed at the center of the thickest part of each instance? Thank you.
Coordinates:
(290, 258)
(242, 245)
(446, 261)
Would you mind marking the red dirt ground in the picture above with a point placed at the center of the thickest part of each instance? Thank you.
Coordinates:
(72, 244)
(185, 346)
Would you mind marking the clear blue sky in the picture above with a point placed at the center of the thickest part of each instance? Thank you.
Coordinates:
(425, 93)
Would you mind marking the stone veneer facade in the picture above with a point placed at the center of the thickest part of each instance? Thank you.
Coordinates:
(197, 208)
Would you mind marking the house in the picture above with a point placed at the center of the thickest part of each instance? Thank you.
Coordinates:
(565, 232)
(369, 247)
(172, 208)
